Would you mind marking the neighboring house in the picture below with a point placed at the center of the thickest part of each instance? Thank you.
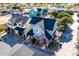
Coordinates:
(17, 22)
(42, 28)
(38, 12)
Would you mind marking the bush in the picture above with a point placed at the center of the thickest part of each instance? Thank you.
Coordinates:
(60, 28)
(63, 14)
(1, 39)
(78, 15)
(54, 43)
(67, 20)
(69, 6)
(2, 27)
(54, 13)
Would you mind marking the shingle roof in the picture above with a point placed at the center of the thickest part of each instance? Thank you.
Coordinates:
(48, 25)
(20, 18)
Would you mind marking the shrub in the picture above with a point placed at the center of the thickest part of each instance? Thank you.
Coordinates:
(1, 39)
(63, 14)
(60, 28)
(54, 43)
(54, 13)
(69, 6)
(2, 27)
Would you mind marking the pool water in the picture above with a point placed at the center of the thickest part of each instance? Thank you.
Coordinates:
(11, 40)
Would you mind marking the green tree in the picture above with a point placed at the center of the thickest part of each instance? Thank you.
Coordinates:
(54, 13)
(55, 42)
(70, 12)
(66, 21)
(69, 6)
(20, 7)
(63, 14)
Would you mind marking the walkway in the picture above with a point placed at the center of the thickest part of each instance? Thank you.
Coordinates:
(68, 48)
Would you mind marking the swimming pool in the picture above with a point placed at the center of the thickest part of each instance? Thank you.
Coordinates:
(11, 40)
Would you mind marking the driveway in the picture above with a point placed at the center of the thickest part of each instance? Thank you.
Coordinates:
(4, 49)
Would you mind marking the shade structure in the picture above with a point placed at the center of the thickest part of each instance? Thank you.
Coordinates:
(46, 28)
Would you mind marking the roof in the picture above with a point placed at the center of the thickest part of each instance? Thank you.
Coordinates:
(46, 24)
(20, 29)
(19, 18)
(41, 11)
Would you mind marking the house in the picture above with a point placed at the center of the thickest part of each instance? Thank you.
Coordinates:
(17, 23)
(38, 12)
(42, 28)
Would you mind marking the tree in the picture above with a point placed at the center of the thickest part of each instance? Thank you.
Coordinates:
(63, 14)
(70, 12)
(55, 42)
(60, 28)
(69, 6)
(66, 21)
(20, 7)
(54, 13)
